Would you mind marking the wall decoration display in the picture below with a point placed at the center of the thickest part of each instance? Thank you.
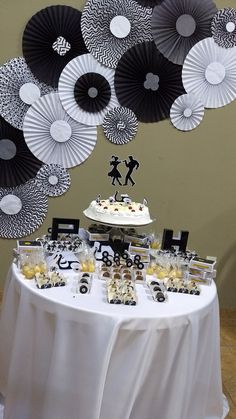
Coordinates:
(19, 88)
(54, 137)
(52, 38)
(22, 210)
(209, 72)
(17, 163)
(111, 27)
(53, 179)
(223, 27)
(85, 85)
(177, 25)
(187, 112)
(120, 125)
(147, 83)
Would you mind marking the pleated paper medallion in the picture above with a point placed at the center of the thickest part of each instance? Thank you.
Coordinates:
(22, 210)
(53, 179)
(120, 125)
(186, 112)
(149, 3)
(56, 138)
(17, 163)
(209, 73)
(111, 27)
(177, 25)
(86, 90)
(52, 38)
(223, 27)
(19, 88)
(147, 83)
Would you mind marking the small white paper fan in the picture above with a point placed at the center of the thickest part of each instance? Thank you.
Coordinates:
(209, 72)
(75, 69)
(186, 112)
(54, 137)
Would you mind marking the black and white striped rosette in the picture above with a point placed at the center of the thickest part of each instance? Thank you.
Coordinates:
(110, 27)
(120, 125)
(149, 3)
(223, 28)
(22, 210)
(53, 179)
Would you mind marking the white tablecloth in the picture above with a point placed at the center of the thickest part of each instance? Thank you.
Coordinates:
(77, 357)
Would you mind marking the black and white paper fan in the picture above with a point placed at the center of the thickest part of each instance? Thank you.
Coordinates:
(51, 39)
(111, 27)
(53, 179)
(177, 25)
(186, 112)
(120, 125)
(86, 90)
(147, 83)
(19, 88)
(223, 27)
(149, 3)
(22, 210)
(209, 73)
(17, 163)
(54, 137)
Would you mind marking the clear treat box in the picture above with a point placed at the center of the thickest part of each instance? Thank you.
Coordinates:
(158, 291)
(50, 279)
(82, 282)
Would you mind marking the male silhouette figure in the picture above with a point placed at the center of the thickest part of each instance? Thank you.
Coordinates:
(131, 164)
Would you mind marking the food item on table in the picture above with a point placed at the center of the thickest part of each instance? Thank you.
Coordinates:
(123, 211)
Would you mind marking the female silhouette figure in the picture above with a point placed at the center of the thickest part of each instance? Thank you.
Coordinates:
(114, 173)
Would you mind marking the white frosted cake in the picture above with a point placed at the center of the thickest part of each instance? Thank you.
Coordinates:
(121, 212)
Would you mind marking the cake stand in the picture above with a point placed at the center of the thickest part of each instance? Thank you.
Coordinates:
(116, 235)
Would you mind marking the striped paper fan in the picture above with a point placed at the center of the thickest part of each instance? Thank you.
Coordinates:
(53, 179)
(186, 112)
(86, 65)
(120, 125)
(223, 27)
(56, 138)
(209, 73)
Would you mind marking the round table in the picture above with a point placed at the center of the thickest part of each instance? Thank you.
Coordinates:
(76, 356)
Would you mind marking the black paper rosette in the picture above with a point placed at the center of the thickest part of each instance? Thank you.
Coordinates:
(17, 163)
(177, 25)
(54, 137)
(223, 27)
(120, 125)
(92, 92)
(53, 179)
(147, 83)
(86, 90)
(52, 38)
(111, 27)
(22, 210)
(19, 88)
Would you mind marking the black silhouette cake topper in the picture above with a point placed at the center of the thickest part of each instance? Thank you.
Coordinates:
(129, 164)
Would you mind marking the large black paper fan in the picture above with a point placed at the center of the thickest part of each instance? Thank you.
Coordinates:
(149, 3)
(147, 83)
(51, 39)
(17, 163)
(22, 210)
(177, 25)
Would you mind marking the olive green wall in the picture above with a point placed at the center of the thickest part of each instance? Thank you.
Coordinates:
(188, 178)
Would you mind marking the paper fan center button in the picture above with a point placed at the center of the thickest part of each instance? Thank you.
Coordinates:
(29, 93)
(188, 112)
(230, 27)
(60, 131)
(215, 73)
(53, 179)
(10, 204)
(120, 26)
(7, 149)
(185, 25)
